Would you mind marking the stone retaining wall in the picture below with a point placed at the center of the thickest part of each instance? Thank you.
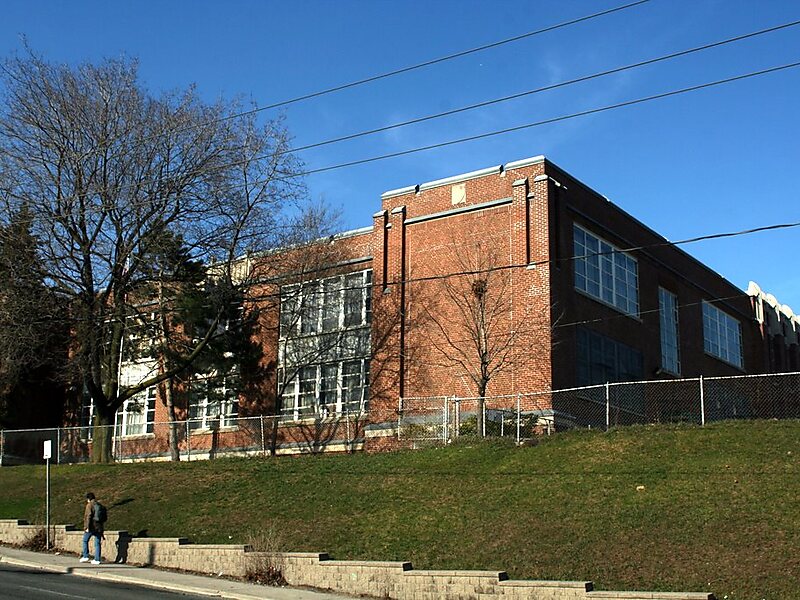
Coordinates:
(397, 580)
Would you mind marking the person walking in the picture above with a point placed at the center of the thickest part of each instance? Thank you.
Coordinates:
(92, 527)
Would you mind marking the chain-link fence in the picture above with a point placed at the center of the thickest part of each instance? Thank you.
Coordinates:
(435, 420)
(194, 439)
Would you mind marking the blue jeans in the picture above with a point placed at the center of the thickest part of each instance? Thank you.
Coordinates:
(86, 536)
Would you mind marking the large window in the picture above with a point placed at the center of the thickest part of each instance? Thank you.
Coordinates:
(213, 401)
(324, 345)
(322, 390)
(137, 414)
(602, 359)
(722, 335)
(604, 272)
(668, 315)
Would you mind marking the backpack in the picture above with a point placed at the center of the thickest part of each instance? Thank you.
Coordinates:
(100, 513)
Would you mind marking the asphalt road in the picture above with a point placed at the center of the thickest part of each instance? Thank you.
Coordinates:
(18, 583)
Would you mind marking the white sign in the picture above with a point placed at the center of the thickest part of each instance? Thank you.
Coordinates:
(48, 449)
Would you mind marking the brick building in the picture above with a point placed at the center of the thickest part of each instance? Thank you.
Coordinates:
(512, 279)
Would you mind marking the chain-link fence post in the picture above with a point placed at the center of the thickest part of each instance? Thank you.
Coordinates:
(608, 406)
(399, 415)
(263, 442)
(188, 442)
(2, 445)
(519, 418)
(456, 416)
(58, 446)
(702, 403)
(445, 419)
(347, 445)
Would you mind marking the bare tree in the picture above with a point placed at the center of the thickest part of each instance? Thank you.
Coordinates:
(468, 315)
(104, 167)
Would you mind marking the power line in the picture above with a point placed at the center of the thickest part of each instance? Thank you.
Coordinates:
(554, 119)
(531, 92)
(547, 87)
(428, 63)
(553, 261)
(382, 76)
(521, 127)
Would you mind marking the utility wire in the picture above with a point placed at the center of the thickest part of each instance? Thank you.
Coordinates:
(427, 63)
(557, 325)
(512, 129)
(554, 119)
(544, 88)
(554, 261)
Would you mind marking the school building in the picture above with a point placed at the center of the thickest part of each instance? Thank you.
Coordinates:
(511, 279)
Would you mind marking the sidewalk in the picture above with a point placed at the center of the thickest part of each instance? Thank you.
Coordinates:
(154, 578)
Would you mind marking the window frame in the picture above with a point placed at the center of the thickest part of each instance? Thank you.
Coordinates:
(616, 273)
(324, 349)
(717, 322)
(228, 414)
(672, 342)
(142, 403)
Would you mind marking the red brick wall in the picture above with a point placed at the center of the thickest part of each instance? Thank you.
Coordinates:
(499, 239)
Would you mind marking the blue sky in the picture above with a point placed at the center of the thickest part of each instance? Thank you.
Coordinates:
(716, 160)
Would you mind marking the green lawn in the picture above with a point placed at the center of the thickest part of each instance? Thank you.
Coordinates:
(719, 512)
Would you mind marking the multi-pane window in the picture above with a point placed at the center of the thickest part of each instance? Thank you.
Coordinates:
(324, 345)
(355, 375)
(668, 316)
(605, 272)
(326, 304)
(137, 414)
(722, 335)
(327, 389)
(602, 359)
(213, 401)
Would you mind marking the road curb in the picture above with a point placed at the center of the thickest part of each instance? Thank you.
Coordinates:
(35, 565)
(170, 587)
(134, 576)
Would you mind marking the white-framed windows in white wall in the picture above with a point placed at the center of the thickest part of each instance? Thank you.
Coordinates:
(324, 345)
(722, 335)
(604, 272)
(670, 337)
(213, 401)
(137, 414)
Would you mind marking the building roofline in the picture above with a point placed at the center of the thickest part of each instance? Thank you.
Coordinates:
(352, 233)
(497, 169)
(649, 229)
(754, 290)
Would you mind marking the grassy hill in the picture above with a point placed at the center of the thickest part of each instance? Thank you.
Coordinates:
(719, 509)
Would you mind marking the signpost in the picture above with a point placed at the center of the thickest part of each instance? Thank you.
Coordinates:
(48, 453)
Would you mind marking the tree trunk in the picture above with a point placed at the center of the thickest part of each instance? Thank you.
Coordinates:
(102, 438)
(481, 408)
(174, 451)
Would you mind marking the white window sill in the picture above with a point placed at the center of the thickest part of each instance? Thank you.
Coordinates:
(205, 430)
(330, 418)
(136, 436)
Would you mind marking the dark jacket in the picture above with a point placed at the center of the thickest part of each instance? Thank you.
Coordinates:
(89, 521)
